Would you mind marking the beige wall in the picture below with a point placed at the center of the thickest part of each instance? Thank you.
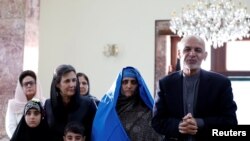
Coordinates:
(76, 31)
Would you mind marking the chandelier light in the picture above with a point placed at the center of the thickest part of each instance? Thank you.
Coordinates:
(217, 21)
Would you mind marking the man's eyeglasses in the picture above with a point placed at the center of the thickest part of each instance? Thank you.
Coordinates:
(31, 83)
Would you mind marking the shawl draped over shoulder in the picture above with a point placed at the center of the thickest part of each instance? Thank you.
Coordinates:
(107, 125)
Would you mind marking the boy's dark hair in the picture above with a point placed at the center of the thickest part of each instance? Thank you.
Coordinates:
(74, 127)
(26, 73)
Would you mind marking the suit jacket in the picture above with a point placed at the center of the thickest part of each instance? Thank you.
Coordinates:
(214, 104)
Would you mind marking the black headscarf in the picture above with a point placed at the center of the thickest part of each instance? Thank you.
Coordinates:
(56, 99)
(24, 133)
(95, 100)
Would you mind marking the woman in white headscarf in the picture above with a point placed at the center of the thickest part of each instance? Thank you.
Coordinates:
(27, 88)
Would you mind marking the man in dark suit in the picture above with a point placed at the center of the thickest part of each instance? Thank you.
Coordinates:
(192, 101)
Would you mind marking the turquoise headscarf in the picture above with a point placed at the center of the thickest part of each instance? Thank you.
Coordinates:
(107, 125)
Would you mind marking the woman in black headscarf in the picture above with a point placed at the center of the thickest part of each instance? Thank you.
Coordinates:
(85, 87)
(66, 105)
(32, 126)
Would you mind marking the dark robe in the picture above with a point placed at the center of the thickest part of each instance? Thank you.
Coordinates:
(136, 119)
(24, 133)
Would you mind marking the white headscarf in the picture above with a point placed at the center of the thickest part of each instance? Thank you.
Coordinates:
(18, 102)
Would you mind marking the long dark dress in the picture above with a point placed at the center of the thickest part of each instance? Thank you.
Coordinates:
(24, 133)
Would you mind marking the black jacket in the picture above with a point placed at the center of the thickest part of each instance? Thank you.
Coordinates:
(82, 112)
(214, 104)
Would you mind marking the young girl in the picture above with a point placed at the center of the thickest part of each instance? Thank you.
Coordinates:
(32, 126)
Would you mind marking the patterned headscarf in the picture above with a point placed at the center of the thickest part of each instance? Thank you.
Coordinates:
(32, 104)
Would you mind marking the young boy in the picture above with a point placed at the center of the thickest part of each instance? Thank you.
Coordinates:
(74, 132)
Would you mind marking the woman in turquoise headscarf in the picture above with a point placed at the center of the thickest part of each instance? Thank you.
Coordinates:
(125, 111)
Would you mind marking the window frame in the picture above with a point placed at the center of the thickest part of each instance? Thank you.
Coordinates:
(220, 66)
(162, 30)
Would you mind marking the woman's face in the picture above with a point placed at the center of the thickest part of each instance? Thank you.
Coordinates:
(29, 87)
(129, 86)
(84, 86)
(67, 85)
(33, 118)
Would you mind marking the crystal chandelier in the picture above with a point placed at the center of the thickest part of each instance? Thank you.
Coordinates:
(217, 21)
